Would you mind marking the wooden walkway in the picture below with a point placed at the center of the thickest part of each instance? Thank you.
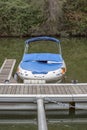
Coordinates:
(64, 92)
(33, 89)
(6, 71)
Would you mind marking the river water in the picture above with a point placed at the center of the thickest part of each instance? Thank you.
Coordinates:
(57, 120)
(75, 54)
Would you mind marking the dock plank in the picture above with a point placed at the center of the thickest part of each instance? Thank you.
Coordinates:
(9, 91)
(76, 90)
(25, 89)
(30, 89)
(42, 90)
(49, 90)
(34, 89)
(58, 90)
(5, 89)
(13, 90)
(1, 89)
(67, 89)
(38, 89)
(54, 89)
(18, 90)
(85, 88)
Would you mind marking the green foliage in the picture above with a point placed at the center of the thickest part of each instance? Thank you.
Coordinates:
(19, 17)
(36, 17)
(75, 17)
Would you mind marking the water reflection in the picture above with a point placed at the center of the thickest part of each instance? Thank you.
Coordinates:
(56, 119)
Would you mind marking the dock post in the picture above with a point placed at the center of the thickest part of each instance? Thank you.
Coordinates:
(72, 108)
(42, 124)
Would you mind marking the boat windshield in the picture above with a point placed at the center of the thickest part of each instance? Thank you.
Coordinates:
(43, 47)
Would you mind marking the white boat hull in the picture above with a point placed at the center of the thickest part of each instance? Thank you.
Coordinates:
(50, 77)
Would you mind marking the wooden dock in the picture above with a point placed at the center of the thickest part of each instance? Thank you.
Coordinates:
(63, 92)
(6, 71)
(12, 92)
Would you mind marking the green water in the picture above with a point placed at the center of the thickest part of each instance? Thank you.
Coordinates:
(56, 121)
(18, 127)
(50, 127)
(75, 55)
(74, 51)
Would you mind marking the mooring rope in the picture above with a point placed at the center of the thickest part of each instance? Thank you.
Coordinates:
(65, 104)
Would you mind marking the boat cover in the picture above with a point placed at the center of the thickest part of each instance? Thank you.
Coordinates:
(42, 57)
(41, 62)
